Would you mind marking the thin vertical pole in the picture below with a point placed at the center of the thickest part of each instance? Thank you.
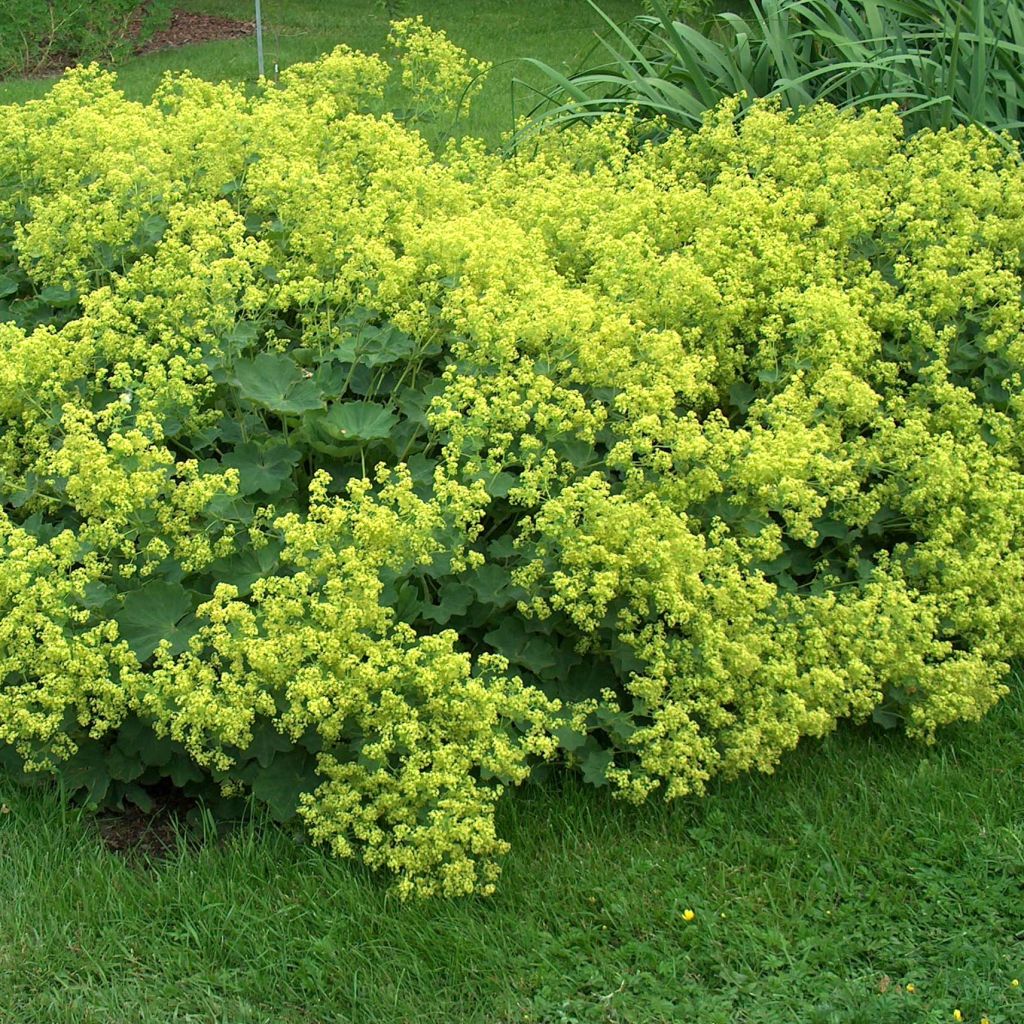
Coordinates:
(259, 37)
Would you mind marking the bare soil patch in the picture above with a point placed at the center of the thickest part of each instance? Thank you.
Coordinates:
(146, 835)
(189, 27)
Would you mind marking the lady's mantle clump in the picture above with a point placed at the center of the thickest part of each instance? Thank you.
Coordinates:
(367, 479)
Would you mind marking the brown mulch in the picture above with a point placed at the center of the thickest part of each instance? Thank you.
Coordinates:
(145, 835)
(188, 27)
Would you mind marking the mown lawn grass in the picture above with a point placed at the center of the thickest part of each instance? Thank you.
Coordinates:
(867, 864)
(559, 32)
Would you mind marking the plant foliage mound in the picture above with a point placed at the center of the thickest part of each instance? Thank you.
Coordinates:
(369, 480)
(35, 34)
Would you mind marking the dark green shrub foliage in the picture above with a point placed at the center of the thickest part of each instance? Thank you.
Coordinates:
(368, 480)
(33, 32)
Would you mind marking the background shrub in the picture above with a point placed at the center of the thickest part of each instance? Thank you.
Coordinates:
(681, 9)
(36, 32)
(943, 63)
(369, 480)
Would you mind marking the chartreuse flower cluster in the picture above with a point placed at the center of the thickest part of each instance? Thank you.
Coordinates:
(438, 75)
(364, 478)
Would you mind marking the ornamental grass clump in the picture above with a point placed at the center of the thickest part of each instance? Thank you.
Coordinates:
(943, 62)
(369, 481)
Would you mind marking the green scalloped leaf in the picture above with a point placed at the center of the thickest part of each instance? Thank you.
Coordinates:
(158, 611)
(263, 468)
(375, 346)
(275, 382)
(455, 600)
(358, 421)
(595, 764)
(279, 786)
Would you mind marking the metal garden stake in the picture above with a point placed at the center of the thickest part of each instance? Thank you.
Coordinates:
(259, 37)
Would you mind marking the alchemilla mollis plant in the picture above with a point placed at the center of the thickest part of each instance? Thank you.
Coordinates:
(370, 479)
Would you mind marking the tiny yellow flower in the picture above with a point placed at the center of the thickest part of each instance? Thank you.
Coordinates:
(911, 988)
(688, 914)
(985, 1020)
(1015, 983)
(957, 1015)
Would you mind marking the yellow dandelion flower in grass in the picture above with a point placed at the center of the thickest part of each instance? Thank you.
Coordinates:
(957, 1015)
(688, 914)
(911, 988)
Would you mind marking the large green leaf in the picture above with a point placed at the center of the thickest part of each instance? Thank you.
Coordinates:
(530, 650)
(375, 346)
(97, 596)
(182, 770)
(358, 421)
(241, 336)
(245, 567)
(87, 770)
(55, 295)
(493, 585)
(581, 681)
(267, 743)
(569, 739)
(263, 468)
(275, 382)
(123, 767)
(455, 600)
(158, 611)
(595, 762)
(135, 738)
(279, 786)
